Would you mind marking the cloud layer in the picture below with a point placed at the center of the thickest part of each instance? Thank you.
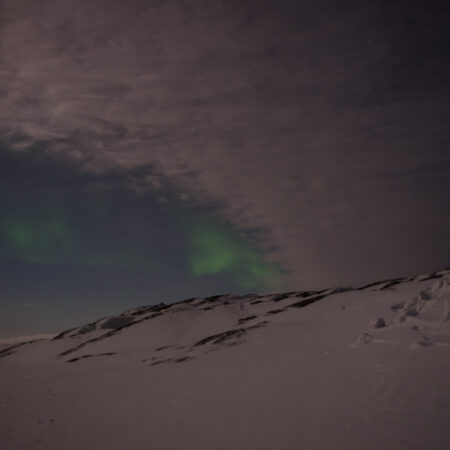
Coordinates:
(319, 130)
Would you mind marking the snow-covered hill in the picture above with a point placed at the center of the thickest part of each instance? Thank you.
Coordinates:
(365, 368)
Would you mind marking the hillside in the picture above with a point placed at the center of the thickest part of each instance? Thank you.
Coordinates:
(352, 368)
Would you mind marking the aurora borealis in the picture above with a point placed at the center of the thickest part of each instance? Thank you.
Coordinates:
(45, 236)
(153, 151)
(212, 251)
(86, 245)
(42, 239)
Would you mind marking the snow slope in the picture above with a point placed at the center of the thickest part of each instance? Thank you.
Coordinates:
(364, 368)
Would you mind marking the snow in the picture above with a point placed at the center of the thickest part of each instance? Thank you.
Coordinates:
(363, 368)
(27, 338)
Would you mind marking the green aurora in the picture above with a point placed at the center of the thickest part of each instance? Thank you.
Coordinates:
(40, 238)
(46, 235)
(213, 251)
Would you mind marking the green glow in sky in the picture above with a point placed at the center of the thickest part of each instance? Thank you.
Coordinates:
(213, 251)
(40, 238)
(45, 236)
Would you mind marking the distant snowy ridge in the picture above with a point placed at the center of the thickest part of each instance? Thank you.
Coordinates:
(141, 313)
(20, 339)
(285, 300)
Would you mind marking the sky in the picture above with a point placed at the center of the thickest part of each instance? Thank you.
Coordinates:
(152, 151)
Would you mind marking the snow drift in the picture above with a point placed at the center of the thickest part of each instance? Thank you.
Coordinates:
(354, 368)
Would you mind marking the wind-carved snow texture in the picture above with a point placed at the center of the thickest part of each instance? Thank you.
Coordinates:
(427, 314)
(345, 368)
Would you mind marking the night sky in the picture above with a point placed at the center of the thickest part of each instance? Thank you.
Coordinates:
(158, 150)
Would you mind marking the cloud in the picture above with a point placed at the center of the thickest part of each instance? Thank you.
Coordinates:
(285, 117)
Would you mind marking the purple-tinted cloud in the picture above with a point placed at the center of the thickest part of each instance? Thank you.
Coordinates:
(321, 127)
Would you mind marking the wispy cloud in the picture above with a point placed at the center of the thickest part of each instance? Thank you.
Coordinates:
(308, 125)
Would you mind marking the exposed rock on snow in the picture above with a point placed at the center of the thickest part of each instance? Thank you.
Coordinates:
(378, 322)
(116, 322)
